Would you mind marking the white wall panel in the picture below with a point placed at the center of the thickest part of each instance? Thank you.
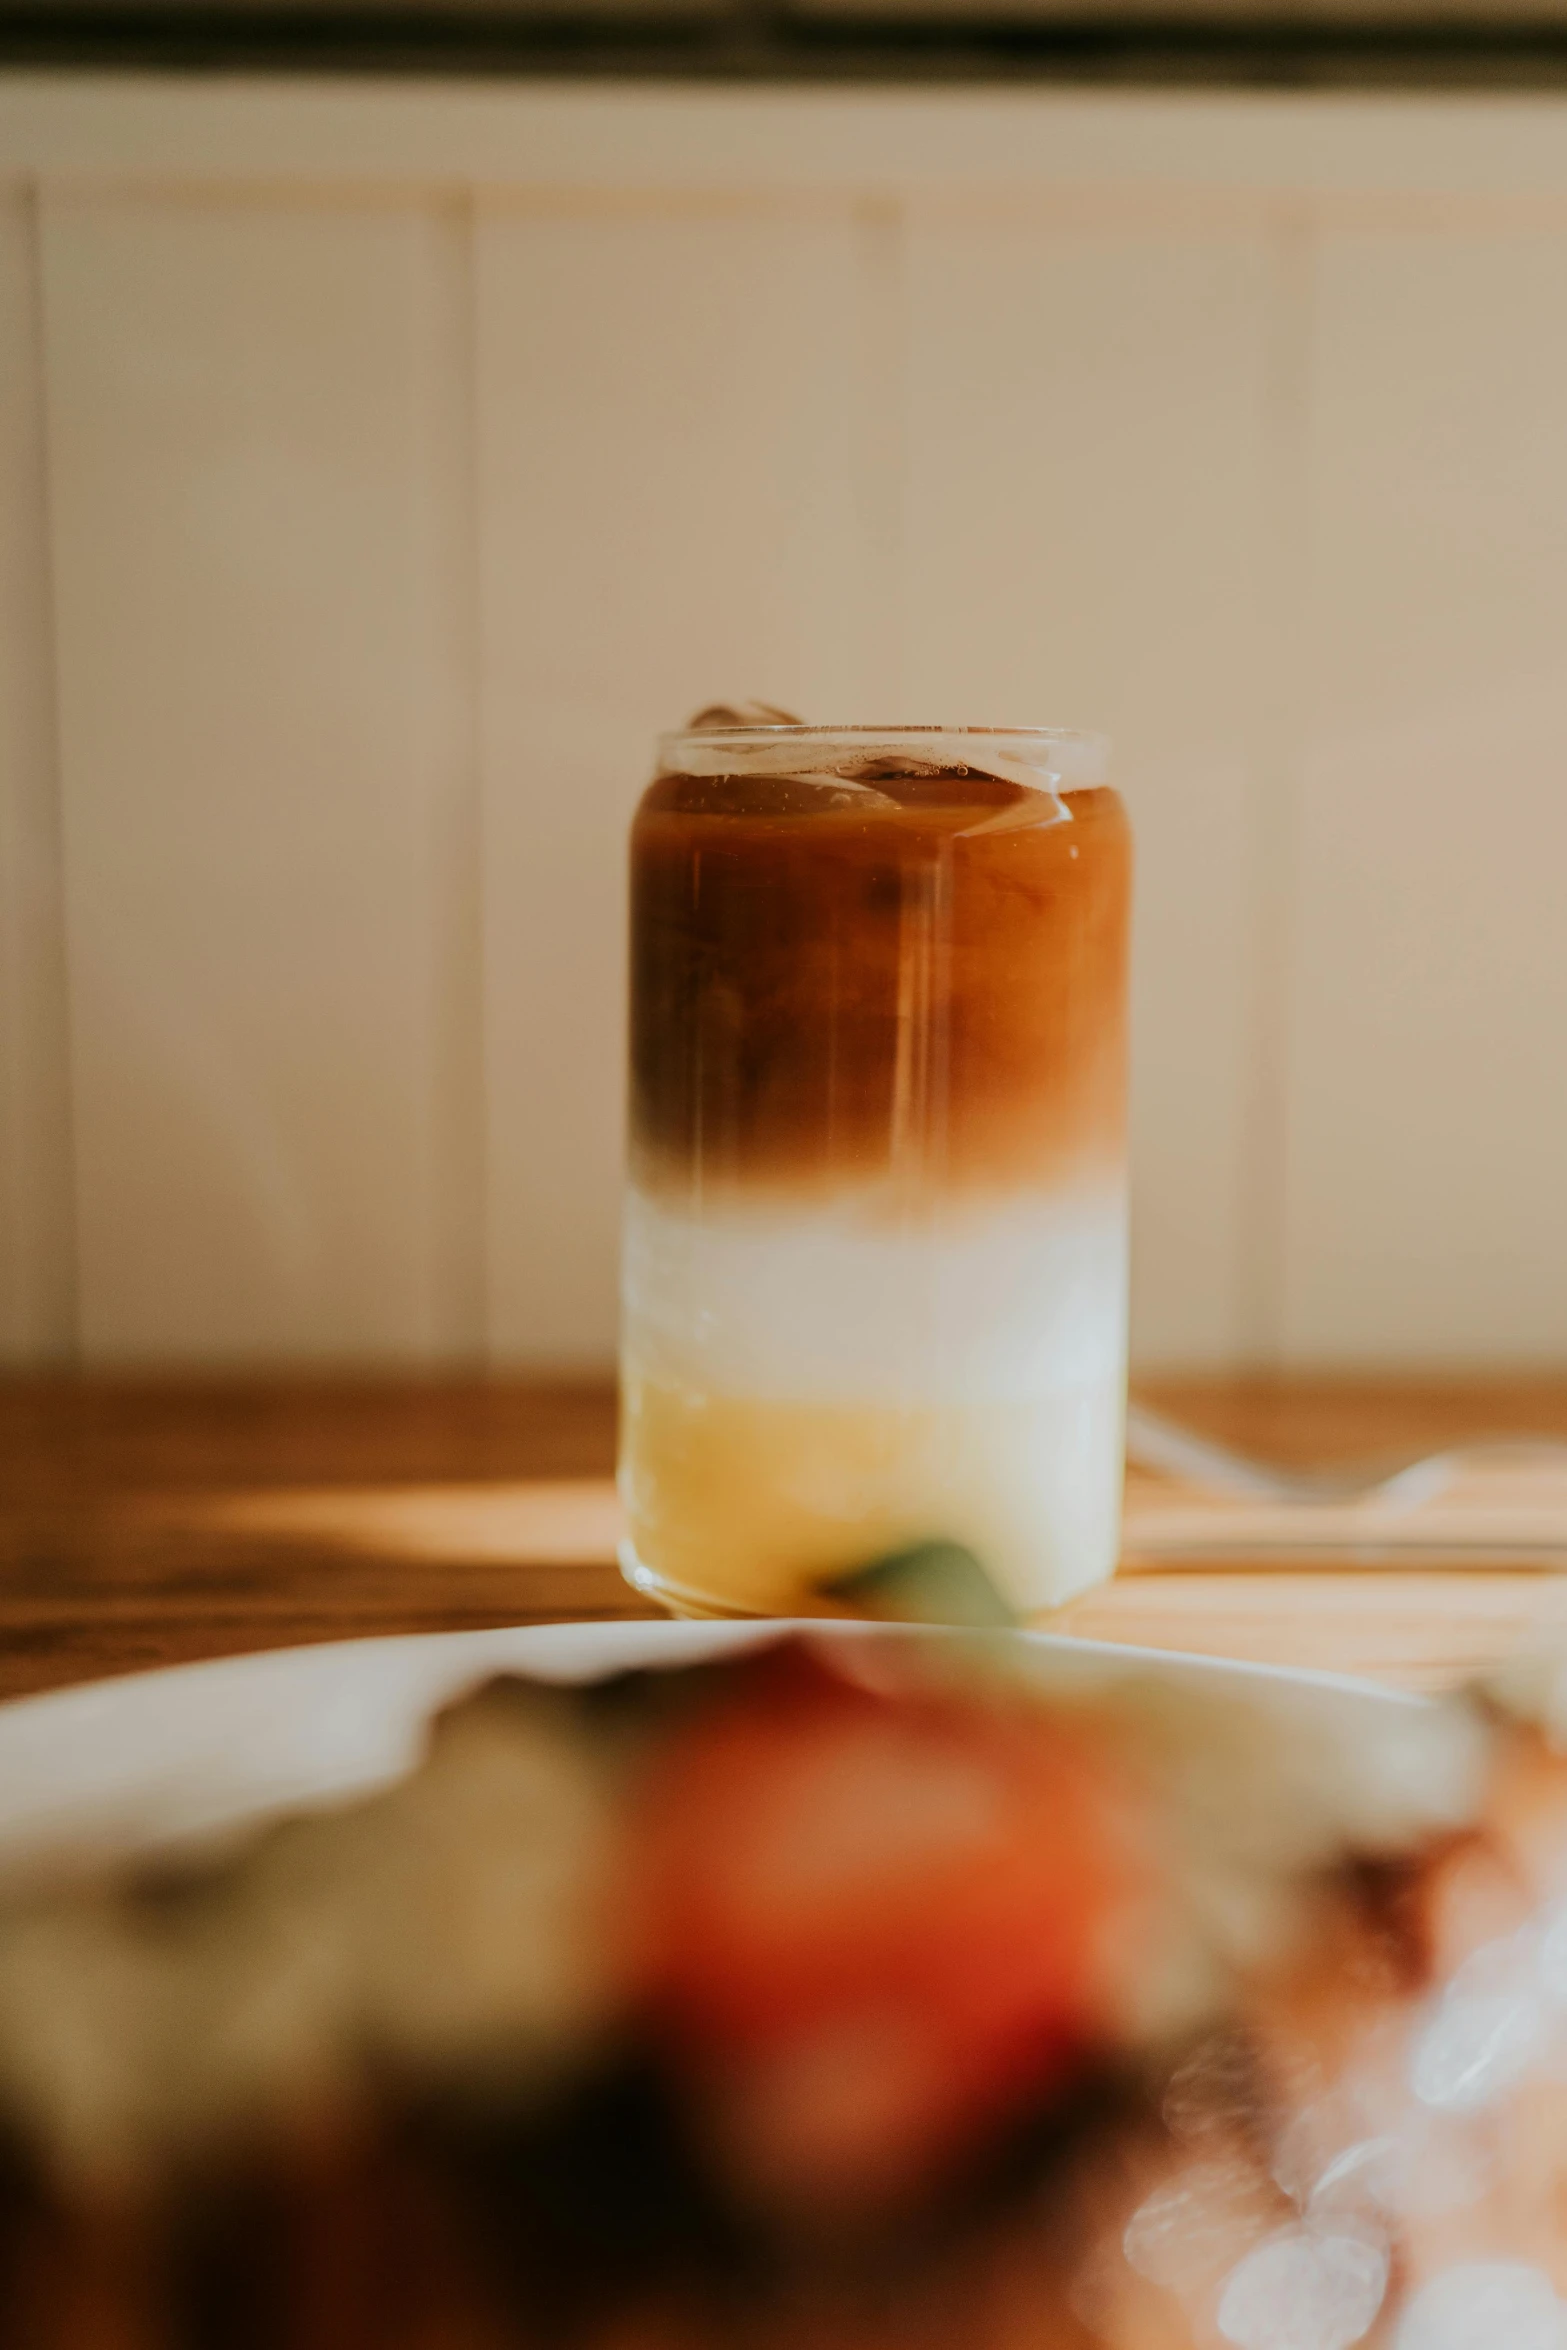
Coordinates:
(1086, 412)
(674, 404)
(37, 1307)
(263, 761)
(1427, 1060)
(369, 558)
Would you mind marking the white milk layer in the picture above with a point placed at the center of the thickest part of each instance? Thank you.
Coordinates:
(1018, 1298)
(805, 1391)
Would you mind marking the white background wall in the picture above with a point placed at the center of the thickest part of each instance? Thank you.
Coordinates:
(381, 468)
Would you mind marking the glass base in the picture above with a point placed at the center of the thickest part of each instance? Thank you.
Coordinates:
(700, 1606)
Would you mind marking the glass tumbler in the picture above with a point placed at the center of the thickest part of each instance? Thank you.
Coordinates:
(875, 1236)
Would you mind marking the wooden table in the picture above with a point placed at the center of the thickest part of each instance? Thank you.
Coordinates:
(149, 1522)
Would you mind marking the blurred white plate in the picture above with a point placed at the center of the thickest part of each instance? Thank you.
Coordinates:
(160, 1759)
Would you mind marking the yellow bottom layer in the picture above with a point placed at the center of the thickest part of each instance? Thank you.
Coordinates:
(740, 1503)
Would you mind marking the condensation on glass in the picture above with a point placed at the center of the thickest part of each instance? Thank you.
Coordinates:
(875, 1244)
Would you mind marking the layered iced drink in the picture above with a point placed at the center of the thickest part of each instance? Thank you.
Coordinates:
(875, 1246)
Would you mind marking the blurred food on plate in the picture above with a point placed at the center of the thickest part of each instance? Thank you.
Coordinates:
(854, 1990)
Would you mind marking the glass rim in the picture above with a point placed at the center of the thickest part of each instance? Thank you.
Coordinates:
(1063, 752)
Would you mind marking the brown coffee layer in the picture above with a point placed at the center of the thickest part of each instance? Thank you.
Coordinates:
(921, 983)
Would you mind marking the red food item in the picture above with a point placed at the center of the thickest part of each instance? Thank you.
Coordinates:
(878, 1913)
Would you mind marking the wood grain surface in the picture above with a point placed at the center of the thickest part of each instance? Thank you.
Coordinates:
(157, 1521)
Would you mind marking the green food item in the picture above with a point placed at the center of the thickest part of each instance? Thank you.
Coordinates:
(929, 1583)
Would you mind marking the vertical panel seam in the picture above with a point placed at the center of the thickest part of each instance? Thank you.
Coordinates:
(1283, 554)
(881, 462)
(477, 846)
(468, 1254)
(481, 647)
(65, 1283)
